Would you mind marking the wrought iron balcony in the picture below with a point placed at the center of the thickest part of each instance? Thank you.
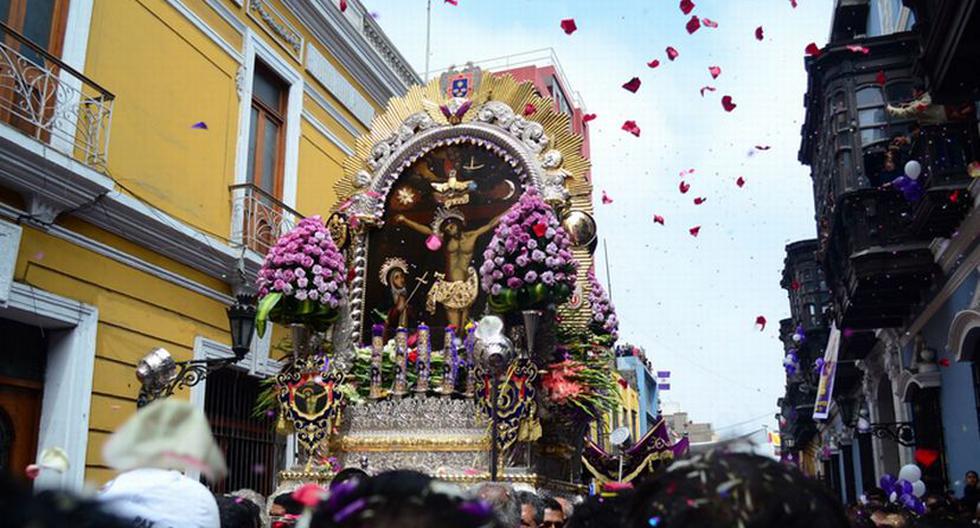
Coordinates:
(52, 102)
(259, 218)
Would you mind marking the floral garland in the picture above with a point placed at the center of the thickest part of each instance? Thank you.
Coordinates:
(303, 278)
(582, 380)
(528, 262)
(604, 320)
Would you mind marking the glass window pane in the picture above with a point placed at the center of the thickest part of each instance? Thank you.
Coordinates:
(5, 11)
(37, 27)
(267, 87)
(872, 116)
(870, 135)
(875, 26)
(270, 151)
(869, 95)
(253, 123)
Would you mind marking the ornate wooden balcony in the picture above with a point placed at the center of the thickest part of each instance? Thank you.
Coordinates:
(945, 152)
(51, 102)
(260, 218)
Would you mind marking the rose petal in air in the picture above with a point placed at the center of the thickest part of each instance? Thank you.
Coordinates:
(727, 104)
(568, 26)
(793, 3)
(588, 117)
(654, 63)
(812, 50)
(632, 85)
(631, 127)
(684, 187)
(880, 78)
(657, 219)
(858, 49)
(694, 231)
(707, 88)
(700, 200)
(709, 23)
(672, 53)
(687, 6)
(715, 71)
(760, 321)
(343, 5)
(759, 34)
(740, 181)
(606, 200)
(693, 24)
(529, 109)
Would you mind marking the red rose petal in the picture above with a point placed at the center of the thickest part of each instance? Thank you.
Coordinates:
(954, 196)
(684, 187)
(762, 147)
(540, 229)
(708, 88)
(727, 104)
(795, 285)
(715, 71)
(926, 457)
(631, 127)
(760, 321)
(759, 34)
(812, 50)
(793, 3)
(686, 172)
(943, 362)
(529, 109)
(687, 6)
(693, 24)
(709, 23)
(858, 49)
(880, 78)
(657, 219)
(700, 200)
(588, 117)
(740, 181)
(606, 200)
(343, 5)
(694, 231)
(453, 2)
(654, 63)
(672, 53)
(632, 85)
(568, 26)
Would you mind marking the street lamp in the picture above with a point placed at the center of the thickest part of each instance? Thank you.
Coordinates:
(160, 375)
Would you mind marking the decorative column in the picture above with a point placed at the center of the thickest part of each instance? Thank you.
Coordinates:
(451, 356)
(401, 362)
(377, 349)
(423, 362)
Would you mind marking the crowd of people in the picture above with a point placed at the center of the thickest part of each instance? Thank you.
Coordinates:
(156, 449)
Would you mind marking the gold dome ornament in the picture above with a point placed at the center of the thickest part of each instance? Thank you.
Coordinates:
(581, 228)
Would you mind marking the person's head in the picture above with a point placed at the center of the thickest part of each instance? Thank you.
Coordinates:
(404, 499)
(452, 228)
(285, 504)
(532, 509)
(159, 497)
(601, 512)
(237, 512)
(397, 279)
(20, 508)
(502, 499)
(971, 478)
(734, 489)
(554, 517)
(566, 506)
(348, 474)
(875, 498)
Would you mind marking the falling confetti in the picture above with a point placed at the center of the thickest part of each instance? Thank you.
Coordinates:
(812, 50)
(740, 181)
(943, 362)
(954, 196)
(654, 63)
(672, 53)
(687, 6)
(793, 3)
(700, 200)
(529, 109)
(541, 228)
(926, 457)
(760, 321)
(631, 127)
(693, 24)
(632, 85)
(759, 34)
(727, 104)
(709, 23)
(858, 49)
(795, 285)
(606, 200)
(657, 219)
(707, 88)
(684, 187)
(453, 2)
(343, 5)
(200, 125)
(694, 231)
(568, 26)
(880, 78)
(715, 71)
(686, 172)
(588, 117)
(762, 147)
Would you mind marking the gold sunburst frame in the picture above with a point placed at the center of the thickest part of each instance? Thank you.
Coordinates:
(499, 113)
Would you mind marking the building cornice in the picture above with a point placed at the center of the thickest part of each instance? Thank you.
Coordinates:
(382, 74)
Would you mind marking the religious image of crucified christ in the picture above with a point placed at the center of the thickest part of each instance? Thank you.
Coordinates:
(457, 288)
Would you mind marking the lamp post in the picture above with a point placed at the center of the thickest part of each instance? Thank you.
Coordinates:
(160, 375)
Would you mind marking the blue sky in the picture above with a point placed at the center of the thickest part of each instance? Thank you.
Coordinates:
(691, 302)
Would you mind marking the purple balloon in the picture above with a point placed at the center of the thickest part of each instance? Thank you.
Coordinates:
(905, 488)
(887, 483)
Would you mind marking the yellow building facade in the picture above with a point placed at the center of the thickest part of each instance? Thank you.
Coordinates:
(154, 151)
(626, 414)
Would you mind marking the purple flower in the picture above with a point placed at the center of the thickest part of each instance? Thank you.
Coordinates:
(537, 255)
(514, 283)
(522, 260)
(495, 289)
(530, 277)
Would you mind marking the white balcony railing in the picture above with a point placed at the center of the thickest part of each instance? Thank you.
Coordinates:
(259, 218)
(52, 102)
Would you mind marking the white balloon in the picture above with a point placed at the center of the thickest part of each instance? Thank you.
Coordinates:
(910, 472)
(913, 169)
(893, 497)
(918, 488)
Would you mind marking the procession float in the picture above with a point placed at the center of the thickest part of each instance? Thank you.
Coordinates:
(441, 318)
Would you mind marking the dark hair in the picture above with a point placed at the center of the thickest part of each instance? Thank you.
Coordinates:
(526, 497)
(288, 503)
(236, 512)
(602, 512)
(729, 489)
(406, 499)
(552, 504)
(974, 473)
(350, 473)
(52, 509)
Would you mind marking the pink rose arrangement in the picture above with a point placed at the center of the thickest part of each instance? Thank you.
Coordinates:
(528, 262)
(303, 278)
(604, 321)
